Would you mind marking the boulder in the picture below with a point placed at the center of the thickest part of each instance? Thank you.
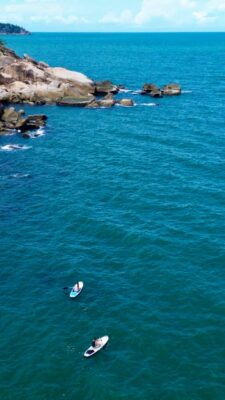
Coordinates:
(31, 122)
(106, 103)
(172, 89)
(149, 87)
(152, 90)
(126, 102)
(10, 116)
(104, 87)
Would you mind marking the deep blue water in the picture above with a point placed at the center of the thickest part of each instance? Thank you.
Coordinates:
(132, 202)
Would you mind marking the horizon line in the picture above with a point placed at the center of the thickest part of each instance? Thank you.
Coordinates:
(114, 32)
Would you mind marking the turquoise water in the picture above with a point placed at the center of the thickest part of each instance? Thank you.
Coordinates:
(132, 202)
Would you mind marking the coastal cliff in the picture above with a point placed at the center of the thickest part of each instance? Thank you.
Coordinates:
(24, 80)
(10, 29)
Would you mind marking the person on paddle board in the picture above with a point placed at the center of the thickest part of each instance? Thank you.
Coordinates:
(96, 342)
(76, 287)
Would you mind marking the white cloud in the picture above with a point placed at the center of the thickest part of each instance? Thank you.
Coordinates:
(152, 14)
(216, 5)
(203, 18)
(126, 17)
(180, 12)
(163, 9)
(41, 11)
(211, 12)
(71, 19)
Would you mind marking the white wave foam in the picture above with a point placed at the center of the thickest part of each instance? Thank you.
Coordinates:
(121, 105)
(136, 92)
(10, 133)
(186, 91)
(39, 132)
(14, 147)
(125, 90)
(19, 176)
(148, 104)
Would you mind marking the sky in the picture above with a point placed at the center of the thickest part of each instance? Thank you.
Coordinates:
(115, 15)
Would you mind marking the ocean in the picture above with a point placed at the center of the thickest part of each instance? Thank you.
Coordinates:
(131, 201)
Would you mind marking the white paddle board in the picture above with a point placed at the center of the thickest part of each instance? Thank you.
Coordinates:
(93, 350)
(75, 291)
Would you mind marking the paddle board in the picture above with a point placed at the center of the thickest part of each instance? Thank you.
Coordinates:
(74, 292)
(93, 350)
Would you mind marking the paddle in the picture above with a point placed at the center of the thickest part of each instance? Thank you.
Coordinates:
(65, 288)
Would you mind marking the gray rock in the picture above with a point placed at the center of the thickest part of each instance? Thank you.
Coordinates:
(106, 103)
(31, 122)
(126, 102)
(172, 89)
(104, 87)
(152, 90)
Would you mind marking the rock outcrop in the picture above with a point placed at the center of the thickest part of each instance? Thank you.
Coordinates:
(172, 89)
(24, 80)
(108, 101)
(10, 119)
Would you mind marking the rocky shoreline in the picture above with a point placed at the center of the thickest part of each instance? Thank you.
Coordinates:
(12, 120)
(24, 80)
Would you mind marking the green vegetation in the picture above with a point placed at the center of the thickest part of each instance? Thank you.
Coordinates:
(10, 29)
